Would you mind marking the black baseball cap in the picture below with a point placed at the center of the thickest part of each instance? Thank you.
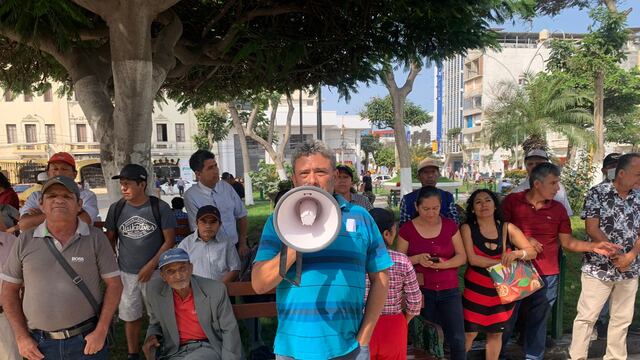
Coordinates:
(132, 172)
(208, 210)
(611, 160)
(346, 169)
(383, 218)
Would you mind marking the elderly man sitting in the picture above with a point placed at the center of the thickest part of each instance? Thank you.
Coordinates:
(190, 315)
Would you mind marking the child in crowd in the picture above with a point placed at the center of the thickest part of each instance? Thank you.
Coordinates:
(212, 257)
(404, 299)
(177, 204)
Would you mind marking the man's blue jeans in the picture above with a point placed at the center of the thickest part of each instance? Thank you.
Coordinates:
(539, 305)
(68, 349)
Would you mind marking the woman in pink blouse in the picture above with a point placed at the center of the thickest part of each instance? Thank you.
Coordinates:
(389, 339)
(435, 248)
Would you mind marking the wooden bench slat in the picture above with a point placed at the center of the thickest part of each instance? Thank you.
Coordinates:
(243, 288)
(255, 310)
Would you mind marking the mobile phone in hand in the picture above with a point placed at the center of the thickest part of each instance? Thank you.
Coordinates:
(434, 259)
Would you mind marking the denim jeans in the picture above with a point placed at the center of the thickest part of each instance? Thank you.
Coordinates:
(360, 353)
(539, 305)
(68, 349)
(444, 308)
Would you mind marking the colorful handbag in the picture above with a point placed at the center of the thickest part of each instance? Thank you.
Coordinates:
(516, 281)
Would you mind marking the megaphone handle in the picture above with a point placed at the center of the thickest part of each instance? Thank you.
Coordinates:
(283, 266)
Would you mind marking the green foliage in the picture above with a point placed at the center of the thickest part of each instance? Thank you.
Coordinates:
(541, 105)
(516, 176)
(369, 144)
(201, 141)
(266, 179)
(386, 157)
(453, 133)
(418, 153)
(379, 111)
(624, 129)
(213, 126)
(573, 66)
(576, 179)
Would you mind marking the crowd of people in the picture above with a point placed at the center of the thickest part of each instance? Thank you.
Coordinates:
(63, 280)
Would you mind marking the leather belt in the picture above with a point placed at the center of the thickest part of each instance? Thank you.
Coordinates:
(194, 342)
(82, 328)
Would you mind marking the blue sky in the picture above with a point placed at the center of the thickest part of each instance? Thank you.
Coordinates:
(569, 21)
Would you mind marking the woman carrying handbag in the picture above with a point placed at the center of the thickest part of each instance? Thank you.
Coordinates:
(488, 241)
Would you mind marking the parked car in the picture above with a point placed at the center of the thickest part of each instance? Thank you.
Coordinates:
(382, 178)
(24, 190)
(173, 190)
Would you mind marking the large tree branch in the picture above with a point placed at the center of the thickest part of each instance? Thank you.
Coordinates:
(272, 119)
(413, 73)
(44, 43)
(252, 117)
(94, 34)
(189, 57)
(287, 127)
(163, 47)
(223, 12)
(611, 5)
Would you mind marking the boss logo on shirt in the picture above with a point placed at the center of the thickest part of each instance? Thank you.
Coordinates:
(77, 259)
(137, 227)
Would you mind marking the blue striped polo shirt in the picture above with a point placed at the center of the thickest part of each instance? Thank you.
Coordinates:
(320, 318)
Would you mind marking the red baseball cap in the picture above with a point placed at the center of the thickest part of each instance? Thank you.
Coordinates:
(64, 157)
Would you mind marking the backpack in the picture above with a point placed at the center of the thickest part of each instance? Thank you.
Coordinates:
(155, 209)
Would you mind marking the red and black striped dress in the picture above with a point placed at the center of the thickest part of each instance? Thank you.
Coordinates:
(483, 311)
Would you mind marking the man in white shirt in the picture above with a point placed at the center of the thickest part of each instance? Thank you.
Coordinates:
(60, 164)
(531, 160)
(8, 346)
(211, 191)
(212, 256)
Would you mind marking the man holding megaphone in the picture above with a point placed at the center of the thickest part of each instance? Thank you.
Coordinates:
(324, 316)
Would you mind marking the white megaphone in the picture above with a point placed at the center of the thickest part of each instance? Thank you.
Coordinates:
(307, 219)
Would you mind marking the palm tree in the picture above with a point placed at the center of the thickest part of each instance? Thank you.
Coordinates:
(534, 110)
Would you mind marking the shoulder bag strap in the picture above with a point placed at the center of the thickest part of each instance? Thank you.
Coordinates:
(77, 280)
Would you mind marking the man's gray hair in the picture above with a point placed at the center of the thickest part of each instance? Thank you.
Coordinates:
(541, 171)
(314, 147)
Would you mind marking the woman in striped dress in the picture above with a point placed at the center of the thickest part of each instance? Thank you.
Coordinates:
(484, 235)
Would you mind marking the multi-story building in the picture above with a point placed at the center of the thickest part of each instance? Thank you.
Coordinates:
(33, 127)
(481, 73)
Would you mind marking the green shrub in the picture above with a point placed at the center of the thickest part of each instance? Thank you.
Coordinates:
(516, 176)
(576, 180)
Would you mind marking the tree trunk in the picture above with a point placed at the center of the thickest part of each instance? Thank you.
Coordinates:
(569, 155)
(598, 115)
(246, 164)
(399, 96)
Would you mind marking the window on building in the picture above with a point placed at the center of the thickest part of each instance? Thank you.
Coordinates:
(28, 97)
(50, 131)
(161, 132)
(180, 133)
(48, 96)
(12, 134)
(30, 133)
(81, 132)
(309, 102)
(8, 96)
(469, 121)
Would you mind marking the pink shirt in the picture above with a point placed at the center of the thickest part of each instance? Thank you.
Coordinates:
(440, 246)
(6, 242)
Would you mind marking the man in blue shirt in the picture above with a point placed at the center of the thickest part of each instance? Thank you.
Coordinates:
(428, 173)
(326, 316)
